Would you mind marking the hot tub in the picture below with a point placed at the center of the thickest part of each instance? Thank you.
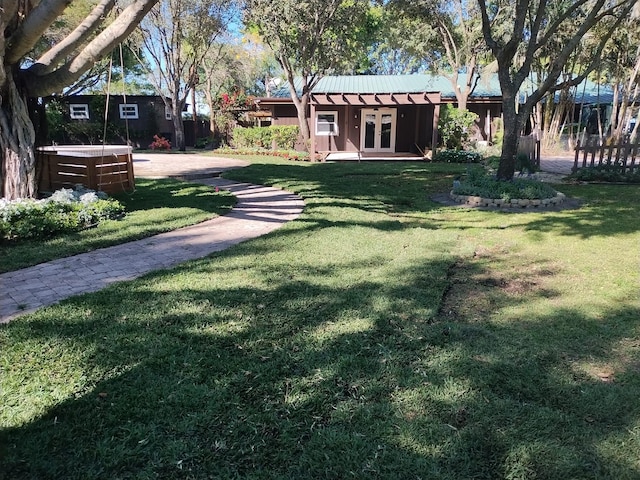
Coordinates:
(107, 168)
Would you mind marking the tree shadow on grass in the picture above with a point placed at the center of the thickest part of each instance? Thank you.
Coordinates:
(407, 188)
(215, 371)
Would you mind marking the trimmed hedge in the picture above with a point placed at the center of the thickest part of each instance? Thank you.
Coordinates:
(284, 137)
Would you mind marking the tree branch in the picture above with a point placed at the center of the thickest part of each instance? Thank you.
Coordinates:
(549, 84)
(32, 27)
(96, 49)
(48, 62)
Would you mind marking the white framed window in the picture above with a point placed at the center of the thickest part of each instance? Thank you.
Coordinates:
(327, 123)
(128, 110)
(79, 111)
(167, 113)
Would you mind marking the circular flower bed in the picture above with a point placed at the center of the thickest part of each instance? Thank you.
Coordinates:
(480, 189)
(475, 201)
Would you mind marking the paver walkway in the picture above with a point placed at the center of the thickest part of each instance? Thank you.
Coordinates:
(557, 164)
(259, 210)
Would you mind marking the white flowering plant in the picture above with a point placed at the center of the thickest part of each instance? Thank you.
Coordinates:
(64, 211)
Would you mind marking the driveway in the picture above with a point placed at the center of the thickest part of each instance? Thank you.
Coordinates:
(187, 165)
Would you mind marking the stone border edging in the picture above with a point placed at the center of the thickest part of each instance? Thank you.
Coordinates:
(515, 203)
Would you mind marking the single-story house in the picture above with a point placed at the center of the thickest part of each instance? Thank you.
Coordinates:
(386, 115)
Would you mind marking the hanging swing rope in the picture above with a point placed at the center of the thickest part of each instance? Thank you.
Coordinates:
(129, 155)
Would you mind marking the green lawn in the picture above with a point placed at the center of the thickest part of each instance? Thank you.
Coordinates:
(379, 336)
(155, 206)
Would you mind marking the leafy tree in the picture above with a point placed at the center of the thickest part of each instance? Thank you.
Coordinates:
(177, 35)
(446, 37)
(30, 68)
(310, 38)
(234, 69)
(518, 31)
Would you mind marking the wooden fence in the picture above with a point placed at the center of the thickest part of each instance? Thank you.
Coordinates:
(623, 157)
(529, 145)
(101, 170)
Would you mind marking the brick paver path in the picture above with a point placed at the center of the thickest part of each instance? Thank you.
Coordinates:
(259, 210)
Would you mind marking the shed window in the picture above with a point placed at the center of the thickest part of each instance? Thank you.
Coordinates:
(167, 113)
(79, 111)
(128, 110)
(327, 123)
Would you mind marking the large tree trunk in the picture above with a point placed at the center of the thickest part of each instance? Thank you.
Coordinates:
(178, 127)
(303, 122)
(17, 139)
(513, 122)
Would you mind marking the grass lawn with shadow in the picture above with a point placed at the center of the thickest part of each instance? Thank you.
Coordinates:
(380, 335)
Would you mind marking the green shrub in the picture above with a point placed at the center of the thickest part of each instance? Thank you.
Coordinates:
(252, 137)
(454, 126)
(66, 210)
(457, 156)
(206, 142)
(284, 136)
(606, 173)
(479, 183)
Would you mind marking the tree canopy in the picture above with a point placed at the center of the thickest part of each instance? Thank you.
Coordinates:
(311, 38)
(177, 36)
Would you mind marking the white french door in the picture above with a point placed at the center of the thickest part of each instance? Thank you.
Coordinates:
(378, 132)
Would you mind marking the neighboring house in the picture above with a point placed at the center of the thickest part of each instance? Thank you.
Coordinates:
(136, 119)
(381, 114)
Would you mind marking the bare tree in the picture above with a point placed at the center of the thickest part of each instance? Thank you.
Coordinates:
(177, 36)
(517, 31)
(25, 75)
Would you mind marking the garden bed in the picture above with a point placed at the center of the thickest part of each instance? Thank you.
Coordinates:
(514, 203)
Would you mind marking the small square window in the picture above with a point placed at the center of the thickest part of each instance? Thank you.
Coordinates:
(128, 110)
(79, 111)
(327, 123)
(167, 113)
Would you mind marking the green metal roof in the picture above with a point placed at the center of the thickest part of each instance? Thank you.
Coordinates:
(588, 91)
(381, 84)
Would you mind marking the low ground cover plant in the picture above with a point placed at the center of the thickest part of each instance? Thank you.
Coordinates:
(457, 156)
(157, 205)
(286, 154)
(606, 173)
(65, 210)
(481, 183)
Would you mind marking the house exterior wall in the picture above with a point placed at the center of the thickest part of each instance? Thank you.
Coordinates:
(284, 115)
(416, 119)
(487, 113)
(414, 126)
(332, 143)
(151, 120)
